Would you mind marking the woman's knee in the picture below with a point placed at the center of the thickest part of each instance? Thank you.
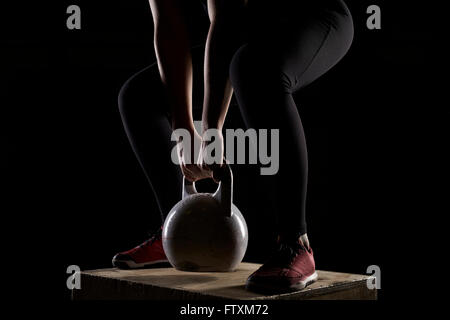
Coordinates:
(258, 69)
(129, 94)
(125, 93)
(141, 91)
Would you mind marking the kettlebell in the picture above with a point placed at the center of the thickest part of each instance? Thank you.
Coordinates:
(204, 231)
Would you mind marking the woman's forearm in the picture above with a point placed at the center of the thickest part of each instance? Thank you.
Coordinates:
(221, 44)
(173, 54)
(217, 86)
(175, 65)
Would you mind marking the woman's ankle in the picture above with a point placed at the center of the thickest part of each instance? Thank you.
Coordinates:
(304, 241)
(301, 239)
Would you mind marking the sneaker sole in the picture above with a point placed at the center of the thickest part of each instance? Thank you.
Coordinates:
(129, 264)
(267, 288)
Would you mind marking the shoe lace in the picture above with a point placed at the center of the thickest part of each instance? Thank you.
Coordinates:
(154, 236)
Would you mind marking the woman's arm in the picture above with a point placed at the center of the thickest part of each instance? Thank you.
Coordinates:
(222, 42)
(173, 54)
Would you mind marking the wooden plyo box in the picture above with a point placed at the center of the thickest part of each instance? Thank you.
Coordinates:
(171, 284)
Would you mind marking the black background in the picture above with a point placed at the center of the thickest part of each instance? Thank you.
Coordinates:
(77, 195)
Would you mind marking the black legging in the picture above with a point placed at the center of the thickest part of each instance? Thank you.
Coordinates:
(281, 54)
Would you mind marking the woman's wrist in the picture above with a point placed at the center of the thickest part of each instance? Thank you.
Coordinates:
(209, 124)
(187, 125)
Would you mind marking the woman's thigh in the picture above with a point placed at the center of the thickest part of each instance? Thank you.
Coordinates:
(302, 42)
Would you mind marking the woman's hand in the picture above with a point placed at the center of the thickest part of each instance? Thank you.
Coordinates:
(186, 151)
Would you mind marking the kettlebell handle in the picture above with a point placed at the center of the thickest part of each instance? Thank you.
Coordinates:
(224, 192)
(188, 188)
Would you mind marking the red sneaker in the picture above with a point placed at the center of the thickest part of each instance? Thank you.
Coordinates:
(146, 254)
(291, 268)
